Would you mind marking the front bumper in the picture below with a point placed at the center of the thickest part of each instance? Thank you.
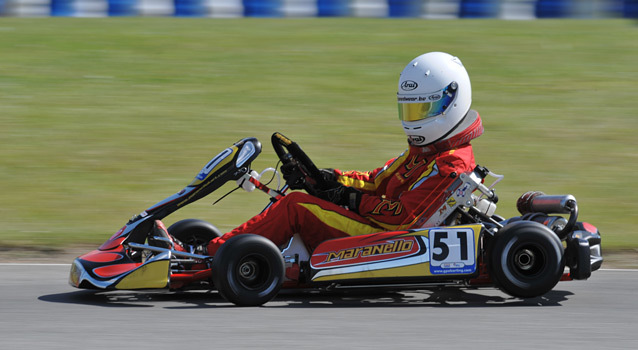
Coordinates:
(583, 253)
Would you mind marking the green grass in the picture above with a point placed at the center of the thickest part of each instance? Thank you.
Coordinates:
(101, 118)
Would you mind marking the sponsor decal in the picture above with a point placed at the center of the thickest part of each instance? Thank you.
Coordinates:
(409, 85)
(412, 166)
(408, 99)
(392, 207)
(417, 139)
(388, 249)
(462, 191)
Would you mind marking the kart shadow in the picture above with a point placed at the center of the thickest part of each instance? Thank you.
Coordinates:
(439, 297)
(199, 299)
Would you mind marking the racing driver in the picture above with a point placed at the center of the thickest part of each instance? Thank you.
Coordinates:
(434, 98)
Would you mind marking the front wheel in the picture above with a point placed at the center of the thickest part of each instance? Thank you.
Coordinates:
(526, 259)
(248, 270)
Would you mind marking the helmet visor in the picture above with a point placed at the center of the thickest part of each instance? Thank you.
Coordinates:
(418, 107)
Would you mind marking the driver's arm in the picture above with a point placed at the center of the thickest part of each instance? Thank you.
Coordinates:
(424, 197)
(404, 212)
(369, 181)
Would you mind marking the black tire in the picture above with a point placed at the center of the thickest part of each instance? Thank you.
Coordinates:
(194, 232)
(248, 270)
(526, 259)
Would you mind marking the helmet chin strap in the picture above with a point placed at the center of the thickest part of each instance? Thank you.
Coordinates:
(446, 142)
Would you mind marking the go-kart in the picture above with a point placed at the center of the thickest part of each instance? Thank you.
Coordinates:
(458, 240)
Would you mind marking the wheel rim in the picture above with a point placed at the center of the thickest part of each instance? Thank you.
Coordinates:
(528, 261)
(253, 272)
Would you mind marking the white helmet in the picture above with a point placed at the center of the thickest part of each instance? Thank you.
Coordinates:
(434, 96)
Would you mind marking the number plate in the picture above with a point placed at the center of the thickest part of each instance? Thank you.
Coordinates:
(452, 251)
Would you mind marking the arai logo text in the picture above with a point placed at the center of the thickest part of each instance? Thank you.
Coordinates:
(417, 139)
(409, 85)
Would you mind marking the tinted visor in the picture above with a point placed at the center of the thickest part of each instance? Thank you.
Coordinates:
(418, 107)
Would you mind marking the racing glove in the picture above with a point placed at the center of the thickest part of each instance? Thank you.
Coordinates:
(339, 194)
(328, 174)
(295, 178)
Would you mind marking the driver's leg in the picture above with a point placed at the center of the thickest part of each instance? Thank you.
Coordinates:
(314, 219)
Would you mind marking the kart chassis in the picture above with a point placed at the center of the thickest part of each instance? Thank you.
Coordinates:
(524, 256)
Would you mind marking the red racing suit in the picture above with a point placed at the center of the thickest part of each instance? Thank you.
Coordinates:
(393, 197)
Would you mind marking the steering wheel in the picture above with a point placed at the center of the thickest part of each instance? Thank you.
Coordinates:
(290, 152)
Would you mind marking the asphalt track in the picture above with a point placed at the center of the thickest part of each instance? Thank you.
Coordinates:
(39, 310)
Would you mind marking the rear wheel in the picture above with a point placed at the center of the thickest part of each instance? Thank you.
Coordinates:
(526, 259)
(248, 270)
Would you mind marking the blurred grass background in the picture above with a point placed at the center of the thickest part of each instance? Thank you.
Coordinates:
(102, 118)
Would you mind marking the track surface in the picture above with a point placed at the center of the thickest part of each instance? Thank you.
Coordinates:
(39, 310)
